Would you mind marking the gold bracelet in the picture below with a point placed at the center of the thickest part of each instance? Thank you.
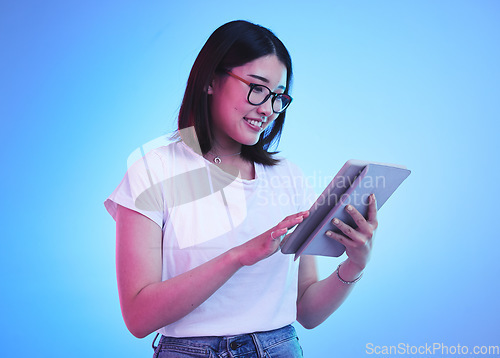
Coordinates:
(344, 281)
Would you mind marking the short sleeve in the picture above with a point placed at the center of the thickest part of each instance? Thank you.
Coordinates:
(141, 189)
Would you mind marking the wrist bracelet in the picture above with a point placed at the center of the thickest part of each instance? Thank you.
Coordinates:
(344, 281)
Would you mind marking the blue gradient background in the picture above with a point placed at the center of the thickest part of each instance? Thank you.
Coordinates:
(84, 83)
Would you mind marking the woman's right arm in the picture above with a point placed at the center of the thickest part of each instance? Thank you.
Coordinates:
(147, 302)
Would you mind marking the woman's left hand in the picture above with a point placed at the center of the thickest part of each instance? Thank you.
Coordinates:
(357, 241)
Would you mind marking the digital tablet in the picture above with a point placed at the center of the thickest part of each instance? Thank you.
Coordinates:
(353, 184)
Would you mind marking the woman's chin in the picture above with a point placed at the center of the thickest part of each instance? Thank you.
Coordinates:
(249, 140)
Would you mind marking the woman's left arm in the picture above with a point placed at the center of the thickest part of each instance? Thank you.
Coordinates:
(317, 300)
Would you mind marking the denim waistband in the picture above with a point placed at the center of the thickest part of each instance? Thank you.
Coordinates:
(257, 342)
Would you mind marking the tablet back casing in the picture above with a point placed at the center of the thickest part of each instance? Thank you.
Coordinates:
(354, 183)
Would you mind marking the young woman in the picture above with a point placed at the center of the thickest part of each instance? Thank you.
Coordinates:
(199, 221)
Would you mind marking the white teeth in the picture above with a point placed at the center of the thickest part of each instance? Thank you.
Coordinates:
(255, 123)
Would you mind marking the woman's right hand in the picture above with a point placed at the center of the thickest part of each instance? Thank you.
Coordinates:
(268, 243)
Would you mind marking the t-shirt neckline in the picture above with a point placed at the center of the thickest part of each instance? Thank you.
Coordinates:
(210, 165)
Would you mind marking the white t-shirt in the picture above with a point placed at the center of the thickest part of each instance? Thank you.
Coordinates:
(203, 212)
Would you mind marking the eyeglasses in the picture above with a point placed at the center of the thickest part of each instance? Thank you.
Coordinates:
(259, 94)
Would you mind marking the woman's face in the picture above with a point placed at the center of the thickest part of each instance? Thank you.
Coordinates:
(236, 121)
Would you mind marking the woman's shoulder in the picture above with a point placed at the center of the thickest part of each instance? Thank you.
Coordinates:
(171, 151)
(155, 159)
(284, 165)
(167, 150)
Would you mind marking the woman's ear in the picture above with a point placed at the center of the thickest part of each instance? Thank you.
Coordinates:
(213, 83)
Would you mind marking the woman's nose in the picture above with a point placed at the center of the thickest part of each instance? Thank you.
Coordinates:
(266, 108)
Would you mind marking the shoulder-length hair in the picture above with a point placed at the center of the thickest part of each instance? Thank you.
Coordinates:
(231, 45)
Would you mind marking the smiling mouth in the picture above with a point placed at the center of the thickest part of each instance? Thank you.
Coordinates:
(254, 122)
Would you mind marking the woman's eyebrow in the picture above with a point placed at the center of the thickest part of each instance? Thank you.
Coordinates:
(260, 78)
(265, 80)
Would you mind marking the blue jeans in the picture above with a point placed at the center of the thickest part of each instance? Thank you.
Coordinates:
(279, 343)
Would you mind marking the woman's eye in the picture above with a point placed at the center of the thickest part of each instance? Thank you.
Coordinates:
(258, 89)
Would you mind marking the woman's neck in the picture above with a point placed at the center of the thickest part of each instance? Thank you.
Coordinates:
(225, 149)
(228, 158)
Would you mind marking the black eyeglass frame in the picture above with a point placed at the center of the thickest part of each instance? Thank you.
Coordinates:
(271, 93)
